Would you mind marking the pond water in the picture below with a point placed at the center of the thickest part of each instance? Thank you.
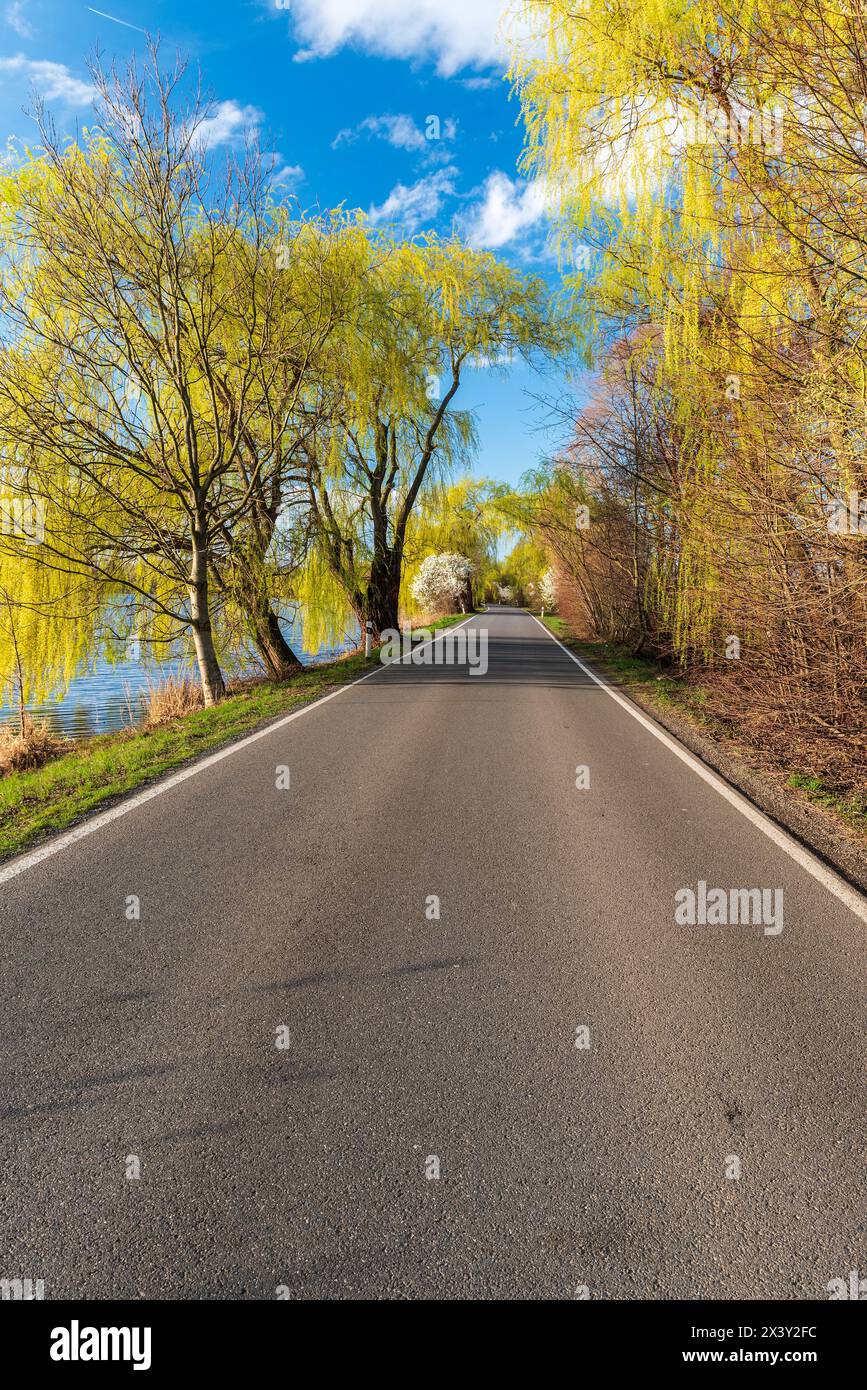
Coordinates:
(109, 696)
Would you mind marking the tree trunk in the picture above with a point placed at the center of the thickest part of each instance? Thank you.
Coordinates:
(278, 657)
(382, 599)
(213, 685)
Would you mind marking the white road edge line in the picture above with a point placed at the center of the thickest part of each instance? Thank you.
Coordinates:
(854, 900)
(132, 802)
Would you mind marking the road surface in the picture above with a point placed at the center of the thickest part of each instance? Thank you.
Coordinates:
(306, 916)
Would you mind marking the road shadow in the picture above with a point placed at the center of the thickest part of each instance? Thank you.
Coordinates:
(508, 660)
(84, 1088)
(333, 977)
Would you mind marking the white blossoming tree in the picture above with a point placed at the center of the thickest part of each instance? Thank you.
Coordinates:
(548, 591)
(443, 582)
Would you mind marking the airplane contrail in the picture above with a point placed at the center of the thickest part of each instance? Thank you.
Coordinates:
(115, 20)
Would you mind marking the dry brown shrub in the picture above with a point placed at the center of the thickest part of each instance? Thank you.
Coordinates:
(25, 753)
(171, 698)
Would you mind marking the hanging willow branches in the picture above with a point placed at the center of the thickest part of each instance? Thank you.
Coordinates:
(710, 162)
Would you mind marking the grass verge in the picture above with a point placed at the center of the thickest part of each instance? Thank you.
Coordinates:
(97, 770)
(650, 685)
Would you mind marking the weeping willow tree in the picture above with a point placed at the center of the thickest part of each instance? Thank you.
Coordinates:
(461, 518)
(710, 166)
(47, 625)
(431, 310)
(316, 295)
(162, 322)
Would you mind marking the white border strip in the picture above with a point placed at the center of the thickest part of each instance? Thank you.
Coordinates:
(854, 900)
(132, 802)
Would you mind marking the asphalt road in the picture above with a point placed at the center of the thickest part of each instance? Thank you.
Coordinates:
(410, 1039)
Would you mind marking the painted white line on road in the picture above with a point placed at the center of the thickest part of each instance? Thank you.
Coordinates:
(854, 900)
(89, 827)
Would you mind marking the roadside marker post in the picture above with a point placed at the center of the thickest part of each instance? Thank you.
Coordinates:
(368, 638)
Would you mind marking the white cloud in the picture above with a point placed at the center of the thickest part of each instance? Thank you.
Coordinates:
(54, 81)
(453, 33)
(16, 18)
(227, 123)
(508, 208)
(289, 174)
(400, 131)
(10, 157)
(411, 205)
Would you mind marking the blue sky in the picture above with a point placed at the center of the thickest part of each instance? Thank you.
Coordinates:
(398, 107)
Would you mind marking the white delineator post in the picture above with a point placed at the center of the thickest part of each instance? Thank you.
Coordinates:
(368, 638)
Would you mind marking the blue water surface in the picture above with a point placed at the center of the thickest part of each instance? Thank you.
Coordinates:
(108, 697)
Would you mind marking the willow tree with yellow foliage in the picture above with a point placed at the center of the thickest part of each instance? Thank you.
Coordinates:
(162, 323)
(710, 165)
(432, 310)
(462, 518)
